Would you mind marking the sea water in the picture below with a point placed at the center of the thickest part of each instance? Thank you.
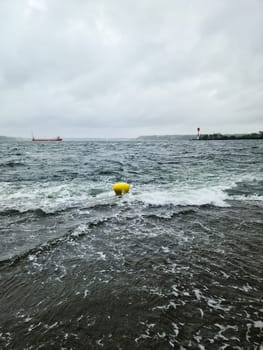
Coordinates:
(174, 264)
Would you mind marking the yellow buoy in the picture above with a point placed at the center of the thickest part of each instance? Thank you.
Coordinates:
(121, 187)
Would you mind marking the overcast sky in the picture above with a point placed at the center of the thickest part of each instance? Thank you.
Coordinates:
(125, 68)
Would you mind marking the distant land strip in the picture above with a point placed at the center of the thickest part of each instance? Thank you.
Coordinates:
(205, 137)
(251, 136)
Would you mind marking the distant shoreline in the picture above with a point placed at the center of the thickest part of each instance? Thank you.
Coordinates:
(251, 136)
(203, 137)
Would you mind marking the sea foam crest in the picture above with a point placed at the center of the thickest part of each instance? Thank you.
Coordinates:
(50, 197)
(188, 196)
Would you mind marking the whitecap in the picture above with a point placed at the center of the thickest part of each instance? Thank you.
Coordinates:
(258, 324)
(183, 196)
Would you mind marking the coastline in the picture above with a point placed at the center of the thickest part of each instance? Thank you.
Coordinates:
(218, 136)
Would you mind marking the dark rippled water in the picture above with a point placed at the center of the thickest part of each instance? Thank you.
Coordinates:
(174, 264)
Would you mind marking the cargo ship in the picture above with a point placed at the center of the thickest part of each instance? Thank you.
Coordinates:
(47, 140)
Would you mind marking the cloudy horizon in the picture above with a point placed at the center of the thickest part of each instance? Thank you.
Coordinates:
(125, 69)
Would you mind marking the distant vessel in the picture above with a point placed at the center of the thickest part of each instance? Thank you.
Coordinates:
(45, 140)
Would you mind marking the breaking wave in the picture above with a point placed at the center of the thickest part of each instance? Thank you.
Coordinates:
(48, 198)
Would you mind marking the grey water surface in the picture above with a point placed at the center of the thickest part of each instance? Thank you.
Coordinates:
(174, 264)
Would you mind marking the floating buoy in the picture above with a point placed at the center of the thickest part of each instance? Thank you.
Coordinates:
(121, 187)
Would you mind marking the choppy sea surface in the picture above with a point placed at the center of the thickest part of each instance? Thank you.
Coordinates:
(177, 263)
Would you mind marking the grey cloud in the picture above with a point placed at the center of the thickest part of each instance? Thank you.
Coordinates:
(114, 67)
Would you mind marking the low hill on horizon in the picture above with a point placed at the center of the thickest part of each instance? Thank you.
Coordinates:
(162, 137)
(11, 138)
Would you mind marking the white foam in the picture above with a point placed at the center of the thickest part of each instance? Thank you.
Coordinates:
(51, 197)
(216, 304)
(195, 192)
(80, 230)
(176, 329)
(254, 197)
(102, 255)
(198, 294)
(258, 324)
(184, 196)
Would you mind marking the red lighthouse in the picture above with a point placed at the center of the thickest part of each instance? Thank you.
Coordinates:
(198, 133)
